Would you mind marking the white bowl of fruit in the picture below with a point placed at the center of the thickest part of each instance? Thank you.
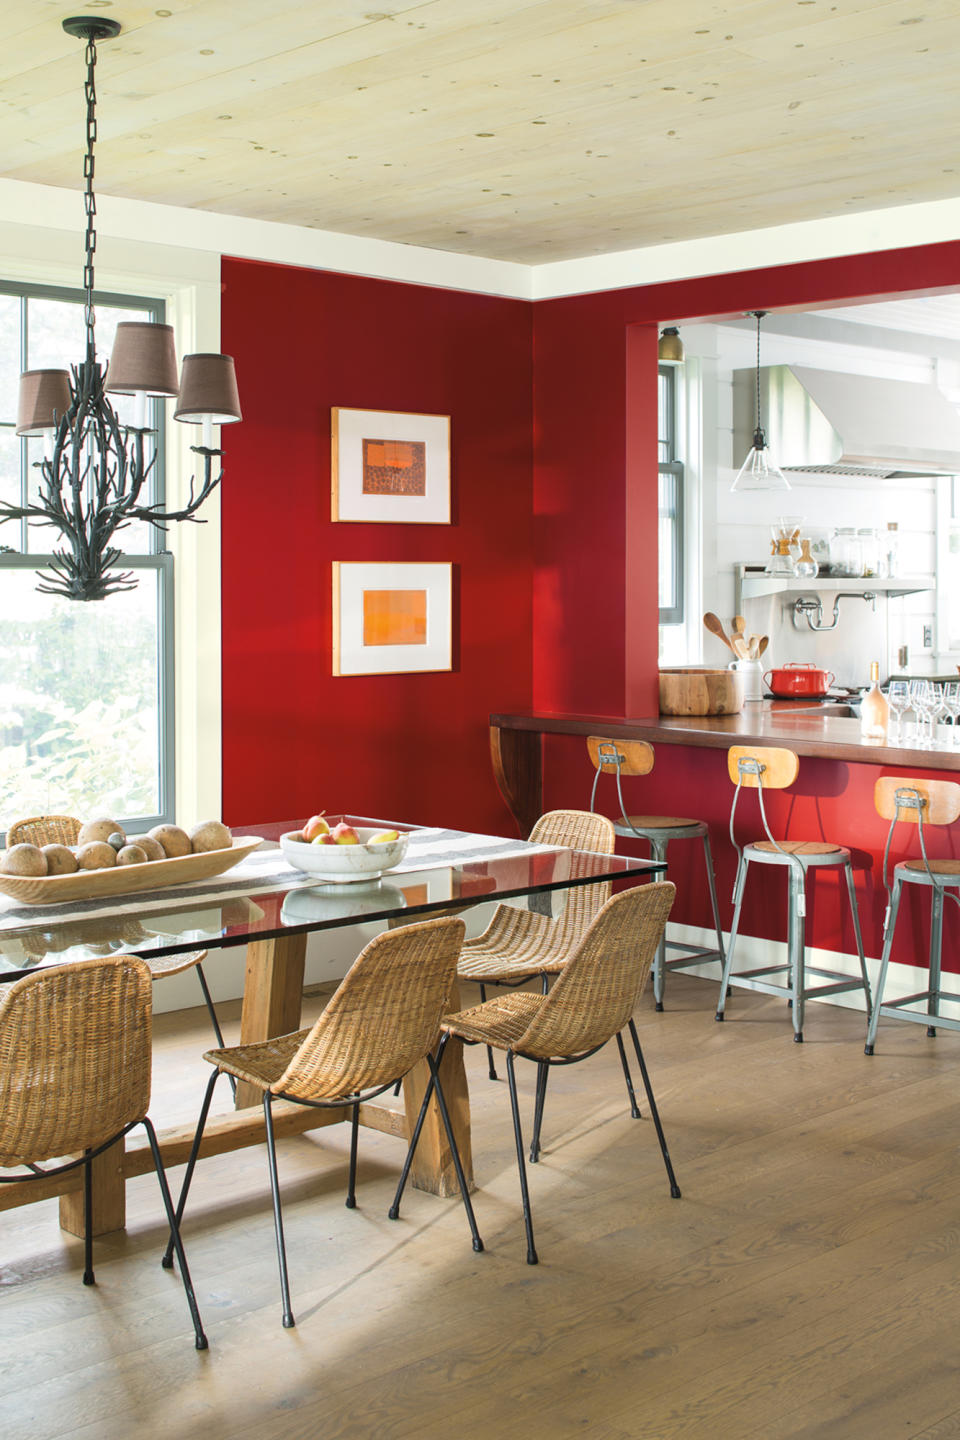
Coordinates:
(339, 852)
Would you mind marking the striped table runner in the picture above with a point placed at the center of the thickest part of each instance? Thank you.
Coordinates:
(263, 871)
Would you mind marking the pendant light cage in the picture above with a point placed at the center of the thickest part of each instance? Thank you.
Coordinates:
(759, 471)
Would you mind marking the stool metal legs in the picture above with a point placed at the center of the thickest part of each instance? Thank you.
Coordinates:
(795, 970)
(690, 954)
(934, 994)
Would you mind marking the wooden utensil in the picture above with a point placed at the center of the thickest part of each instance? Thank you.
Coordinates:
(739, 625)
(740, 647)
(764, 642)
(715, 625)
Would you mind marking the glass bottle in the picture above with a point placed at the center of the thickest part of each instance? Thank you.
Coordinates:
(874, 710)
(892, 546)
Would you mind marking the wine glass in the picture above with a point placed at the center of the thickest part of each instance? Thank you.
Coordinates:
(935, 707)
(919, 702)
(898, 698)
(951, 702)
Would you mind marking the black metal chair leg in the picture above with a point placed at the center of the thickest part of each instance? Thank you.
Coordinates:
(351, 1200)
(454, 1149)
(288, 1320)
(532, 1258)
(674, 1187)
(491, 1068)
(167, 1261)
(201, 1339)
(634, 1107)
(394, 1211)
(543, 1070)
(88, 1275)
(208, 1000)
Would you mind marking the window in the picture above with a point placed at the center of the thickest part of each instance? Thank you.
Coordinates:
(671, 535)
(86, 699)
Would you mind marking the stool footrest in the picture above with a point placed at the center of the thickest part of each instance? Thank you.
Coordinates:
(689, 955)
(840, 983)
(893, 1009)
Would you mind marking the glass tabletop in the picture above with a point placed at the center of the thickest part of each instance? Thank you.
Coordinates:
(146, 924)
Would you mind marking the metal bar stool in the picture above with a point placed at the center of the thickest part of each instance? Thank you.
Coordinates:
(635, 757)
(764, 768)
(920, 803)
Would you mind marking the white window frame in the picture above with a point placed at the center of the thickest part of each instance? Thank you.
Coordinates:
(188, 281)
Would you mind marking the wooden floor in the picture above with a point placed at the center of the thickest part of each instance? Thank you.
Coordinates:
(805, 1286)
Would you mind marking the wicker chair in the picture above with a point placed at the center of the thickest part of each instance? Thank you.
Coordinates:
(75, 1077)
(382, 1021)
(522, 945)
(64, 830)
(592, 1000)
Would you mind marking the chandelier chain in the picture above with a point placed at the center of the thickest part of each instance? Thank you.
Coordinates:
(89, 198)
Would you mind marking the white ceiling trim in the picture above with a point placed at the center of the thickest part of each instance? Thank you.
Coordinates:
(52, 208)
(806, 240)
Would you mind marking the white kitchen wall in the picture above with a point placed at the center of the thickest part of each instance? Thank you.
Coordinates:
(736, 527)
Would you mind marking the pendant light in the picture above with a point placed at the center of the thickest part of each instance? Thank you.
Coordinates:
(93, 473)
(759, 471)
(670, 346)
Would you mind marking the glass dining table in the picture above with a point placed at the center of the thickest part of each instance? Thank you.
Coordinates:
(270, 909)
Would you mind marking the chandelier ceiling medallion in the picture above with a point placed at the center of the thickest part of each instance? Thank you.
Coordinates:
(94, 470)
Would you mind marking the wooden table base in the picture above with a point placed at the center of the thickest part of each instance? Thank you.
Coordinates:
(272, 999)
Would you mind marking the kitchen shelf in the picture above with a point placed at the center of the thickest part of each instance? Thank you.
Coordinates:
(750, 583)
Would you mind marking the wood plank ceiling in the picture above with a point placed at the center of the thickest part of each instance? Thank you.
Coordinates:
(524, 130)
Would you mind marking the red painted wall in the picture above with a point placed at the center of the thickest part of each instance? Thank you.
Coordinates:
(554, 539)
(296, 738)
(595, 458)
(595, 582)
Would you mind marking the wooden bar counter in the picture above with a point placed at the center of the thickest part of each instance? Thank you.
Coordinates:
(810, 730)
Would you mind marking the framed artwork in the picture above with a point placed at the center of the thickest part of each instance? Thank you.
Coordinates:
(391, 617)
(390, 468)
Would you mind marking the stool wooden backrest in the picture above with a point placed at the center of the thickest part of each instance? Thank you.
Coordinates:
(942, 799)
(635, 756)
(780, 767)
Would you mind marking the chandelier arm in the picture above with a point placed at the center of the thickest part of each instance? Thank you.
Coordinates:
(161, 518)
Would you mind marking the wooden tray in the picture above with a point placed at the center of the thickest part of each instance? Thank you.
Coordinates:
(125, 879)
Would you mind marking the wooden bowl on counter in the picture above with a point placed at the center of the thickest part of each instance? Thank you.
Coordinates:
(693, 690)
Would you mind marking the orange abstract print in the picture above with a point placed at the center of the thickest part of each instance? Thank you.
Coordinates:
(394, 467)
(394, 617)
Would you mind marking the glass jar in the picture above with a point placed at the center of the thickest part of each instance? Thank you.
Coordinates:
(846, 556)
(869, 553)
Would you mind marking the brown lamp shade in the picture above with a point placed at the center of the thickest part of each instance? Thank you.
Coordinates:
(208, 390)
(43, 400)
(143, 359)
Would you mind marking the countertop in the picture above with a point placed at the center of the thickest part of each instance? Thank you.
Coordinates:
(808, 730)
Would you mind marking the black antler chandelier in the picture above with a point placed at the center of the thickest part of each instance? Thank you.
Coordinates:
(94, 471)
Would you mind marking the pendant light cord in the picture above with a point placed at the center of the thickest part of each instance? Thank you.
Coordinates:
(89, 199)
(759, 438)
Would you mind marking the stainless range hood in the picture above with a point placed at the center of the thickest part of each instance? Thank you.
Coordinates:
(827, 422)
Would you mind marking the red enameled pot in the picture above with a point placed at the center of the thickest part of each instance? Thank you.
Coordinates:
(800, 680)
